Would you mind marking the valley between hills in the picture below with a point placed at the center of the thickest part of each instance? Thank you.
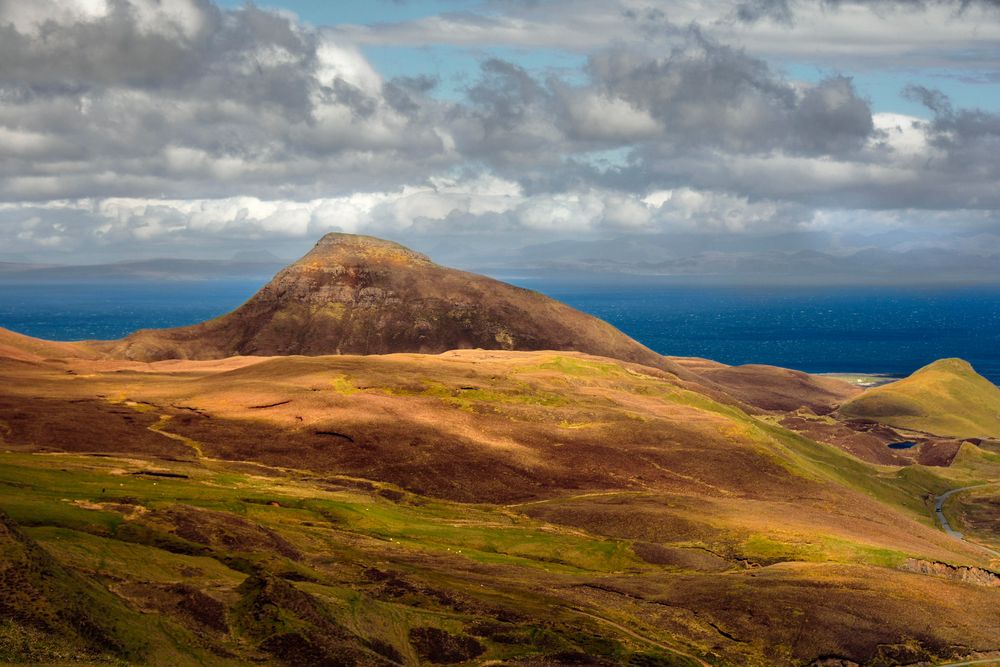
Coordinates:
(380, 461)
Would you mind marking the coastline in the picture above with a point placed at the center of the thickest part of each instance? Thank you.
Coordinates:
(863, 380)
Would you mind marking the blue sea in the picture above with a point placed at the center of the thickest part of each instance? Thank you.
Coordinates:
(890, 330)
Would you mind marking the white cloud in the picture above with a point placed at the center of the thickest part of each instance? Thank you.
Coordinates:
(906, 135)
(602, 117)
(29, 16)
(212, 127)
(337, 61)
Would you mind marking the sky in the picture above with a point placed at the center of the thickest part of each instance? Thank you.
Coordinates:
(491, 130)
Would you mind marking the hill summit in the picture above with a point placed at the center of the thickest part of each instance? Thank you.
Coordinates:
(363, 295)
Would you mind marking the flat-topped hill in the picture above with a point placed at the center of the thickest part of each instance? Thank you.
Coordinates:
(363, 295)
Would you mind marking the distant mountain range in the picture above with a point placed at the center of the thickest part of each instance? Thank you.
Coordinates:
(684, 259)
(791, 258)
(151, 269)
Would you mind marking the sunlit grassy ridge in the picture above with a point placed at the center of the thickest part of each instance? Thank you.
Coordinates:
(946, 398)
(562, 382)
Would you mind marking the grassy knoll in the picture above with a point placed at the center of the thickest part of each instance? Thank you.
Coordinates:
(945, 398)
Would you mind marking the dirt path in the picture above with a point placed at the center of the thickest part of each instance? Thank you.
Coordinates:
(939, 502)
(158, 429)
(576, 497)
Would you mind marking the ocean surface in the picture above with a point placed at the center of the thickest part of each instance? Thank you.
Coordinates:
(872, 330)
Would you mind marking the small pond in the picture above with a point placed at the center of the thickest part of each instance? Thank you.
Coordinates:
(906, 444)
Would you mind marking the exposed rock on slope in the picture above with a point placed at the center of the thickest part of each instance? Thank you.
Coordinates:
(362, 295)
(968, 575)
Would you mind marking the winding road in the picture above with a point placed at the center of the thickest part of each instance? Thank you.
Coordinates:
(943, 520)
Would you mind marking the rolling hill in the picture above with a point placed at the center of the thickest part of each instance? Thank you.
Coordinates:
(527, 507)
(302, 482)
(946, 397)
(773, 388)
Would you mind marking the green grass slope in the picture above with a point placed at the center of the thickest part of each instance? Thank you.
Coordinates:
(230, 564)
(52, 613)
(946, 398)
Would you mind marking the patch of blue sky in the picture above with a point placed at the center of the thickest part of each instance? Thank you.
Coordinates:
(614, 158)
(967, 89)
(457, 67)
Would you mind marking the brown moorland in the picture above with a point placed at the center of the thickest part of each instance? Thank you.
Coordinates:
(739, 532)
(773, 388)
(538, 506)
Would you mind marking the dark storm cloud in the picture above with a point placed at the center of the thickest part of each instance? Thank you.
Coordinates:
(213, 54)
(86, 53)
(504, 95)
(696, 98)
(509, 120)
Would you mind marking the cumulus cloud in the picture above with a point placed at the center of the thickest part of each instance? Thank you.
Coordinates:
(967, 140)
(182, 98)
(707, 94)
(183, 127)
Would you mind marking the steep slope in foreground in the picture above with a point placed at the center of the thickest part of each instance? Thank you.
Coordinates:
(946, 398)
(362, 295)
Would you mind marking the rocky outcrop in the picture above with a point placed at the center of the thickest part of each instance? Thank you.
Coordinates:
(969, 575)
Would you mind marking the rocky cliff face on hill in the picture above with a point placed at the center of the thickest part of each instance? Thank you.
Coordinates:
(362, 295)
